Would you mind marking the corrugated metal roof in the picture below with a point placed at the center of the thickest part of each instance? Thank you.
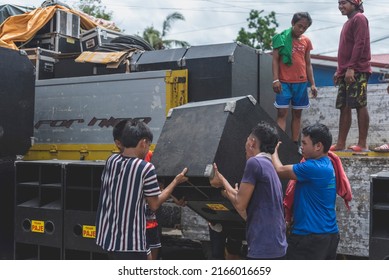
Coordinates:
(377, 60)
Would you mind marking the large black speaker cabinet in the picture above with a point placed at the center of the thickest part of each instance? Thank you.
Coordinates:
(7, 175)
(198, 134)
(214, 71)
(17, 89)
(159, 60)
(221, 71)
(379, 215)
(379, 248)
(79, 231)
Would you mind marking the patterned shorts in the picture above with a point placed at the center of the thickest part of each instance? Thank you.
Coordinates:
(353, 95)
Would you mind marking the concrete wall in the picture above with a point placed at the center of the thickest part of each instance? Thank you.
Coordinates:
(354, 224)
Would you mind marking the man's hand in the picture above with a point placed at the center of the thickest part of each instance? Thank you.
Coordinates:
(180, 202)
(349, 77)
(314, 91)
(217, 179)
(277, 146)
(335, 78)
(181, 178)
(277, 87)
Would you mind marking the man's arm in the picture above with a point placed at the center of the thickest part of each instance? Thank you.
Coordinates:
(360, 30)
(283, 171)
(277, 87)
(310, 76)
(155, 202)
(239, 197)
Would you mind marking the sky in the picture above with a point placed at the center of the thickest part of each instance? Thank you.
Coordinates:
(219, 21)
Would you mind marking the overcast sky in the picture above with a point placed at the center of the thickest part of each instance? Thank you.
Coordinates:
(218, 21)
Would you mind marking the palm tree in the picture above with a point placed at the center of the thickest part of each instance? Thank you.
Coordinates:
(153, 37)
(157, 38)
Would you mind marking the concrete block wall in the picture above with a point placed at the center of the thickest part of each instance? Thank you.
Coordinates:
(323, 110)
(354, 224)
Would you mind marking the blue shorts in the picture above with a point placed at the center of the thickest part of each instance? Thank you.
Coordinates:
(294, 93)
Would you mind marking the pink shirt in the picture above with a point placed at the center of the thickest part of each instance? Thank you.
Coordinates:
(354, 46)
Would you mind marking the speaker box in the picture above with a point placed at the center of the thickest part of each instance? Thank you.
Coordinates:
(379, 214)
(40, 226)
(379, 248)
(198, 134)
(79, 231)
(160, 60)
(17, 91)
(214, 71)
(66, 67)
(221, 71)
(7, 175)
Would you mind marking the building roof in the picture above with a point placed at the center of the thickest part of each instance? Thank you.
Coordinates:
(380, 59)
(379, 62)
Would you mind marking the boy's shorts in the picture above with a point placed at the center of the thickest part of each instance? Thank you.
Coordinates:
(353, 95)
(293, 93)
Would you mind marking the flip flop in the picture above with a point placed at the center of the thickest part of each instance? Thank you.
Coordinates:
(358, 149)
(384, 148)
(334, 149)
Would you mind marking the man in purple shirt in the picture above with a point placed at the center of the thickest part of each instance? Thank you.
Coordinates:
(352, 74)
(259, 198)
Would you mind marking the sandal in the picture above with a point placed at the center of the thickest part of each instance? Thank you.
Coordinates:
(384, 148)
(358, 149)
(334, 149)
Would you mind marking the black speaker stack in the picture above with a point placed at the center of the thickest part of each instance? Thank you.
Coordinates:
(17, 93)
(55, 209)
(379, 216)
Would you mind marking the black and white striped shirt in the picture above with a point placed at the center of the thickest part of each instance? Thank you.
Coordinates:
(120, 218)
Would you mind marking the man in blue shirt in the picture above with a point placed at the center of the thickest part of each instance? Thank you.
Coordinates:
(315, 233)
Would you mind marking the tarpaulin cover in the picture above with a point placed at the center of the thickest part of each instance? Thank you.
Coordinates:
(8, 10)
(23, 27)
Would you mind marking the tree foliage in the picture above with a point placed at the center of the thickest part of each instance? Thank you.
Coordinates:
(260, 30)
(94, 8)
(157, 39)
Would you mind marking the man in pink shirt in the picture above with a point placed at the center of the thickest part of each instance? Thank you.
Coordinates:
(352, 74)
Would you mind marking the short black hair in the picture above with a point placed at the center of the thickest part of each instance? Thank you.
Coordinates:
(267, 136)
(300, 15)
(319, 133)
(117, 130)
(133, 132)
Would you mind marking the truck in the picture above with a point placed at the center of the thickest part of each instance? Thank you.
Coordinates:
(69, 130)
(55, 134)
